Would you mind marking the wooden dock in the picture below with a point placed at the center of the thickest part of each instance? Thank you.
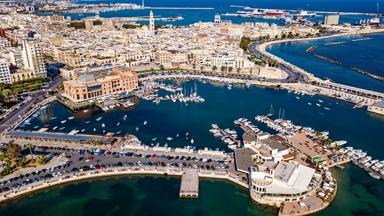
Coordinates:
(189, 187)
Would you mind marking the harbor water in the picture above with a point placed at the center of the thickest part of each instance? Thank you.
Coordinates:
(358, 193)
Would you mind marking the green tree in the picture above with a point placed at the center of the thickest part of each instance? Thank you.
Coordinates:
(97, 22)
(13, 151)
(230, 69)
(29, 146)
(214, 68)
(244, 43)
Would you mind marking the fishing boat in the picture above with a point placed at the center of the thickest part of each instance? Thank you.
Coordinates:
(103, 125)
(186, 134)
(298, 98)
(177, 135)
(118, 124)
(169, 138)
(54, 128)
(310, 104)
(118, 132)
(71, 117)
(145, 123)
(192, 141)
(87, 122)
(137, 129)
(98, 119)
(154, 139)
(327, 108)
(62, 122)
(94, 129)
(318, 105)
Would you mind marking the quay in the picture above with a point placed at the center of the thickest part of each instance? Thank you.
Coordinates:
(127, 156)
(189, 187)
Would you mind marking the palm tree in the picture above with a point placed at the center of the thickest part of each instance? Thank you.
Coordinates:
(214, 68)
(238, 71)
(2, 158)
(29, 146)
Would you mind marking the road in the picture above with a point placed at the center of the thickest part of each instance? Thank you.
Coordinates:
(34, 98)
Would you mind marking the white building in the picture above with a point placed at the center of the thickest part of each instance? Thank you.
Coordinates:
(273, 183)
(5, 73)
(33, 58)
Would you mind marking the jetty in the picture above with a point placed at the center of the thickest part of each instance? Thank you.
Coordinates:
(189, 187)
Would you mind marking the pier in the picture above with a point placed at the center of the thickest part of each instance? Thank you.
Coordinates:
(189, 187)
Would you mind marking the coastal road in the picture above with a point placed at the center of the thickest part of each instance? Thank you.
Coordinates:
(293, 76)
(26, 105)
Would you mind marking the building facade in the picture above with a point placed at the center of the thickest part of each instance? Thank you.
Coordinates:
(33, 58)
(5, 73)
(88, 87)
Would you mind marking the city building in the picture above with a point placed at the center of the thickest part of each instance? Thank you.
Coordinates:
(5, 73)
(331, 20)
(33, 58)
(89, 86)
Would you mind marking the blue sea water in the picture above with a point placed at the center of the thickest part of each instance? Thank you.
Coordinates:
(358, 194)
(222, 7)
(363, 54)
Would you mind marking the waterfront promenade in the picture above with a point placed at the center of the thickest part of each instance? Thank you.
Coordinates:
(134, 170)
